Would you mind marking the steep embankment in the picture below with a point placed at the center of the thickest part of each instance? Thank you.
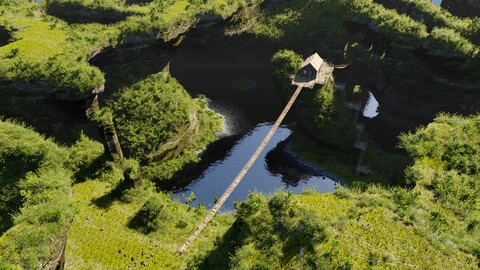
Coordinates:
(35, 209)
(161, 125)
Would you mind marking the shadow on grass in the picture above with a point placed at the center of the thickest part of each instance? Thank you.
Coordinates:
(220, 257)
(90, 171)
(138, 222)
(14, 169)
(4, 36)
(132, 2)
(77, 13)
(107, 200)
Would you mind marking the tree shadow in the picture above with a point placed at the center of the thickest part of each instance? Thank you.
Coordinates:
(220, 257)
(92, 170)
(4, 36)
(107, 200)
(131, 2)
(12, 170)
(77, 13)
(137, 222)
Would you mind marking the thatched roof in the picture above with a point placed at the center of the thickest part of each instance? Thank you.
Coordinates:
(315, 60)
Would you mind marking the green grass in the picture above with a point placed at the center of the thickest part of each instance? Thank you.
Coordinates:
(91, 248)
(41, 51)
(35, 183)
(349, 229)
(161, 125)
(175, 10)
(366, 230)
(36, 39)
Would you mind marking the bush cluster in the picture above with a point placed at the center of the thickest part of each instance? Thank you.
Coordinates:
(40, 207)
(161, 125)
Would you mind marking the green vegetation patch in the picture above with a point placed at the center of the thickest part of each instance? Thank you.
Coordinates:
(434, 15)
(34, 192)
(276, 234)
(295, 22)
(114, 237)
(446, 154)
(286, 64)
(349, 229)
(35, 38)
(161, 125)
(40, 51)
(323, 107)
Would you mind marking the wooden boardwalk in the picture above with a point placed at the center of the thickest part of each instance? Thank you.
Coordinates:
(242, 172)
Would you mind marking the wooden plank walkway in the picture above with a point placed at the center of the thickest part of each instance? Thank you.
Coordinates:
(242, 172)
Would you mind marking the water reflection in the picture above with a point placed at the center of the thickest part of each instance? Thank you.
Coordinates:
(371, 107)
(262, 177)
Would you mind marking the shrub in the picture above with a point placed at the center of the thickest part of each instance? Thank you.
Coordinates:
(44, 208)
(285, 63)
(161, 126)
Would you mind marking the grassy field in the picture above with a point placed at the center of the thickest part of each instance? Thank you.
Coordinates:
(366, 230)
(35, 39)
(102, 235)
(34, 196)
(175, 10)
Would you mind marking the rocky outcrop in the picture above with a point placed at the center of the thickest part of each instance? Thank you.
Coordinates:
(411, 82)
(43, 87)
(462, 8)
(106, 127)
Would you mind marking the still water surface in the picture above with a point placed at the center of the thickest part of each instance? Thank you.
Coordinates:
(216, 178)
(236, 76)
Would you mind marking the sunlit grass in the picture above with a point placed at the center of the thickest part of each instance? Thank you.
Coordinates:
(174, 10)
(138, 9)
(98, 234)
(36, 39)
(367, 230)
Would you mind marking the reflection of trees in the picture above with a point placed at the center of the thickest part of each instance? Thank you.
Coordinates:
(291, 170)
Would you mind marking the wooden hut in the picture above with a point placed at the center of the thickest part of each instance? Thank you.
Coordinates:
(311, 67)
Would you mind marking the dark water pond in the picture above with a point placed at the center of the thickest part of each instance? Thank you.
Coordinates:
(236, 77)
(265, 176)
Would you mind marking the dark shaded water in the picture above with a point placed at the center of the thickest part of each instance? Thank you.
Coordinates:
(236, 77)
(219, 70)
(264, 176)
